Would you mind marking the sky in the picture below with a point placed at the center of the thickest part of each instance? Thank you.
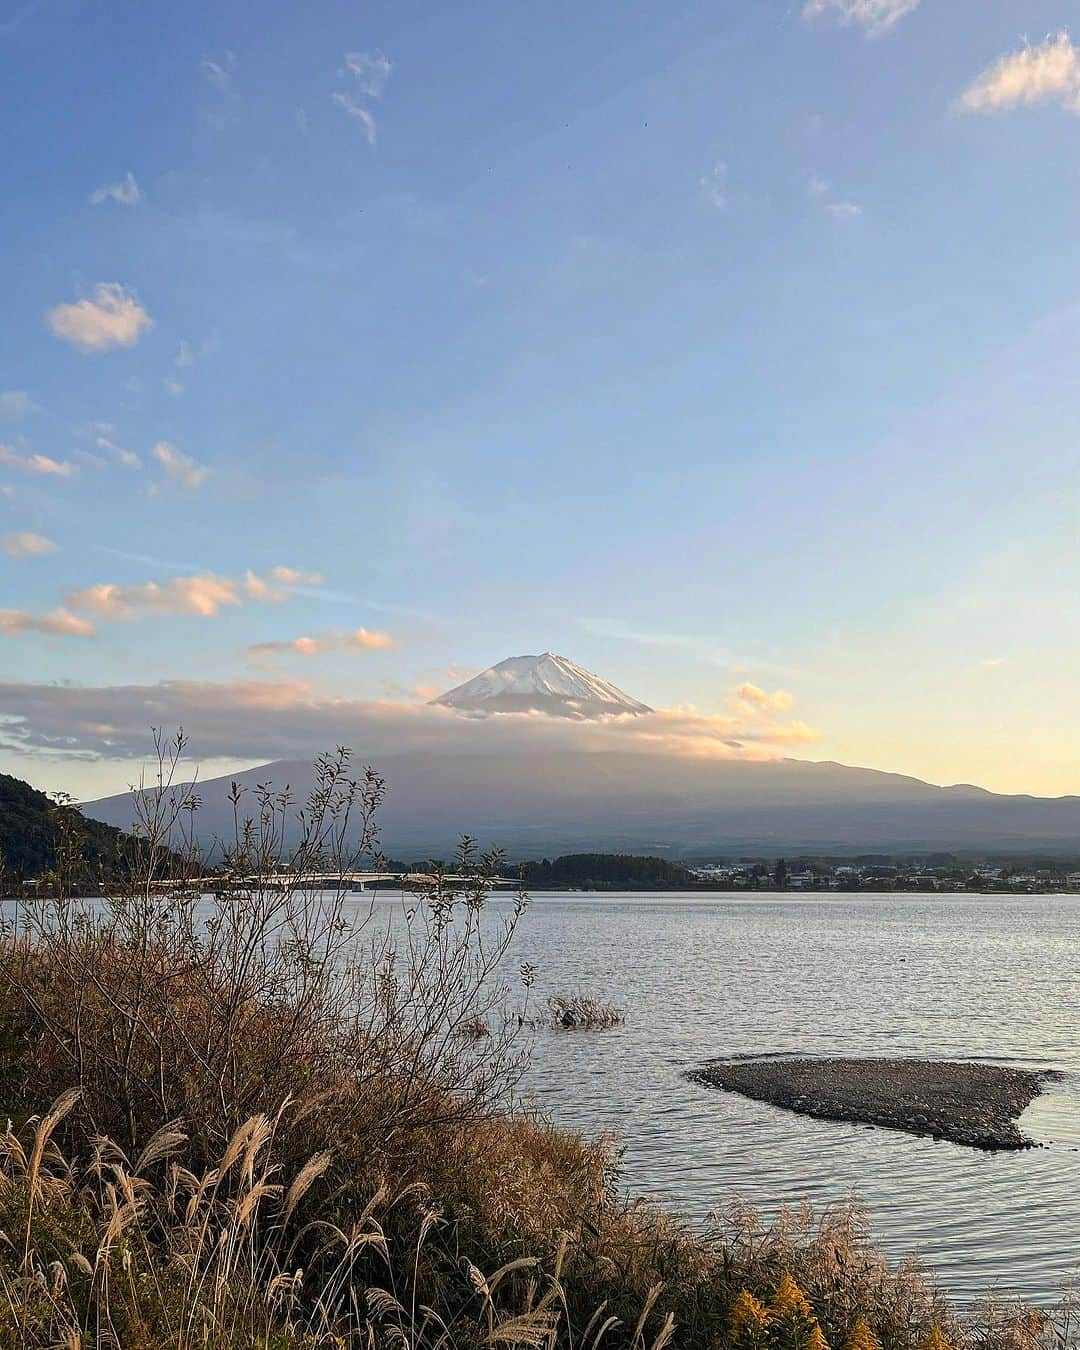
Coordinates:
(728, 349)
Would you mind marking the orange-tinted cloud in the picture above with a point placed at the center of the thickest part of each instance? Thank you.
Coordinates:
(364, 639)
(777, 702)
(59, 623)
(231, 719)
(205, 594)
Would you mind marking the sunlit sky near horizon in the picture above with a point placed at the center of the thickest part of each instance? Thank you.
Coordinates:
(350, 348)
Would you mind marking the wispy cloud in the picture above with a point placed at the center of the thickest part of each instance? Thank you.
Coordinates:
(125, 193)
(113, 317)
(359, 639)
(205, 595)
(60, 623)
(366, 120)
(714, 185)
(648, 637)
(31, 463)
(371, 71)
(128, 458)
(1047, 73)
(12, 24)
(839, 209)
(27, 545)
(219, 69)
(178, 466)
(873, 16)
(16, 404)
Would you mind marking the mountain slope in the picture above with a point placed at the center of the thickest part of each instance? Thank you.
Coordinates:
(546, 683)
(542, 802)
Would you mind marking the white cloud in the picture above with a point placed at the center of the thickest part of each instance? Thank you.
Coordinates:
(362, 115)
(27, 545)
(843, 210)
(58, 468)
(714, 184)
(873, 16)
(1048, 73)
(124, 193)
(112, 318)
(184, 357)
(173, 386)
(179, 467)
(60, 623)
(16, 403)
(372, 70)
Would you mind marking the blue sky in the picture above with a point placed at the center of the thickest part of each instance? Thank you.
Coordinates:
(708, 344)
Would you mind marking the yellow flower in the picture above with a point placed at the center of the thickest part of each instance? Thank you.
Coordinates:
(935, 1339)
(816, 1339)
(862, 1338)
(747, 1315)
(790, 1301)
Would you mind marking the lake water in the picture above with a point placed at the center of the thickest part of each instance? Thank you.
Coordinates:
(994, 979)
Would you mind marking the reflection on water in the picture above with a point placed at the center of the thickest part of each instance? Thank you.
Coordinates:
(943, 977)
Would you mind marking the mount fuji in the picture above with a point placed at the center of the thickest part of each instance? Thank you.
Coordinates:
(547, 683)
(541, 793)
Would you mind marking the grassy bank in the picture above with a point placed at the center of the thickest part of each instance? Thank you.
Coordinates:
(266, 1124)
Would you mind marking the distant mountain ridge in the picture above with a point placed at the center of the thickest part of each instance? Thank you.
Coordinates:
(537, 803)
(547, 683)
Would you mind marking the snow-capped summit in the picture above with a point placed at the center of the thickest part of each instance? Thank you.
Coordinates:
(547, 683)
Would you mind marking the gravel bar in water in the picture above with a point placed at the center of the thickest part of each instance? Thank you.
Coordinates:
(973, 1104)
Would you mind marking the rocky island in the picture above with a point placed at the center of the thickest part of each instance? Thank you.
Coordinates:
(966, 1103)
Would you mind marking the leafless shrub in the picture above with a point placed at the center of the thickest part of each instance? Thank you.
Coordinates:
(168, 1003)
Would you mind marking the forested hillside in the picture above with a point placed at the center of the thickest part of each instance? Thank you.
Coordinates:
(32, 826)
(608, 872)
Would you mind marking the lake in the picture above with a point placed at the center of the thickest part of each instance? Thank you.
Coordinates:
(989, 978)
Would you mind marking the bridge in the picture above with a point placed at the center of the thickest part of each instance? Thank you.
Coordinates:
(320, 881)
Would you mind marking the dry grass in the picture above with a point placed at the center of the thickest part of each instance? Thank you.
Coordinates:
(581, 1012)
